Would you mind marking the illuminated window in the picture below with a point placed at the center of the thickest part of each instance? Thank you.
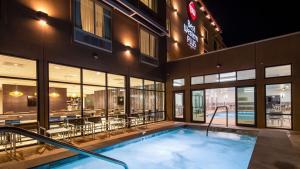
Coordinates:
(93, 24)
(278, 71)
(148, 43)
(211, 78)
(197, 80)
(246, 74)
(178, 82)
(225, 77)
(150, 4)
(18, 92)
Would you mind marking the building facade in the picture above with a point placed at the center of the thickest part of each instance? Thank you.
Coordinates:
(81, 58)
(256, 81)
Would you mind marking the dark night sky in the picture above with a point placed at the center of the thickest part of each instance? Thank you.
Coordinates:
(245, 21)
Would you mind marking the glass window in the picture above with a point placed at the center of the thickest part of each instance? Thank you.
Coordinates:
(60, 73)
(115, 80)
(198, 105)
(148, 43)
(220, 97)
(178, 82)
(116, 102)
(197, 80)
(93, 77)
(150, 4)
(94, 101)
(136, 101)
(179, 105)
(246, 105)
(160, 86)
(149, 101)
(136, 83)
(92, 17)
(278, 106)
(149, 85)
(211, 78)
(226, 77)
(64, 102)
(278, 71)
(18, 92)
(246, 74)
(160, 106)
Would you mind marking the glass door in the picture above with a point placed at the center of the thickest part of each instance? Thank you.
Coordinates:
(179, 105)
(246, 111)
(198, 113)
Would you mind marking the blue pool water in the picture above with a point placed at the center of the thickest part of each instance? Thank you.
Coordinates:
(182, 148)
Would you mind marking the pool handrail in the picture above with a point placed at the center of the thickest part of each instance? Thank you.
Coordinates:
(216, 110)
(44, 139)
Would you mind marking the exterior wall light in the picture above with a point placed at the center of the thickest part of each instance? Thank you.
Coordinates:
(42, 17)
(127, 49)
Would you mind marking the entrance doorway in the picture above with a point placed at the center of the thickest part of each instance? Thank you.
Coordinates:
(220, 97)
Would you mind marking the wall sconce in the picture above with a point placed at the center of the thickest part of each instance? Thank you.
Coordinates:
(175, 10)
(42, 17)
(127, 49)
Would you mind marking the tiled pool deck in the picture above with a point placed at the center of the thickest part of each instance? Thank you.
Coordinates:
(274, 148)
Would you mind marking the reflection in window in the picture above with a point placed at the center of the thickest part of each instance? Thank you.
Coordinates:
(246, 74)
(226, 77)
(148, 43)
(198, 105)
(197, 80)
(178, 82)
(211, 78)
(18, 91)
(278, 71)
(246, 105)
(278, 106)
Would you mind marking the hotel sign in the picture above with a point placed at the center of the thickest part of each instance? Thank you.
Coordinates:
(192, 11)
(191, 37)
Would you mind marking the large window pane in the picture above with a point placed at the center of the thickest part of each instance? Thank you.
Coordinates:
(136, 83)
(116, 102)
(87, 15)
(278, 106)
(115, 80)
(148, 43)
(60, 73)
(226, 77)
(18, 101)
(211, 78)
(220, 97)
(160, 86)
(149, 101)
(197, 80)
(17, 67)
(160, 106)
(246, 74)
(136, 101)
(179, 105)
(149, 85)
(94, 101)
(278, 71)
(64, 101)
(178, 82)
(246, 105)
(150, 4)
(198, 105)
(93, 77)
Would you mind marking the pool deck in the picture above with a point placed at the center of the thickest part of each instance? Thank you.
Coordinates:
(279, 149)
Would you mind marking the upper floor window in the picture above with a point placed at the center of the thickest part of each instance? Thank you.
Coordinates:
(95, 19)
(150, 4)
(278, 71)
(148, 43)
(178, 82)
(246, 74)
(205, 35)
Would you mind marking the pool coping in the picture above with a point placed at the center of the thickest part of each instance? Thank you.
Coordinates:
(268, 152)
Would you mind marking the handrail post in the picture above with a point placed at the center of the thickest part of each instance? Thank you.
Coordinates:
(226, 108)
(226, 116)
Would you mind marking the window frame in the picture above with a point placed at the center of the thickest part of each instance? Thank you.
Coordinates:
(273, 66)
(156, 43)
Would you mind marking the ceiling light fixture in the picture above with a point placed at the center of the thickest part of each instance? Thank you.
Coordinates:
(16, 93)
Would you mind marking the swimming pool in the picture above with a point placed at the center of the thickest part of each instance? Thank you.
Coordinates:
(181, 148)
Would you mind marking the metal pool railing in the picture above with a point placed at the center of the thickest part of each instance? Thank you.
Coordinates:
(15, 130)
(216, 110)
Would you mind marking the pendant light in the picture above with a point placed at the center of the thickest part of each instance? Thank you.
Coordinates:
(16, 92)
